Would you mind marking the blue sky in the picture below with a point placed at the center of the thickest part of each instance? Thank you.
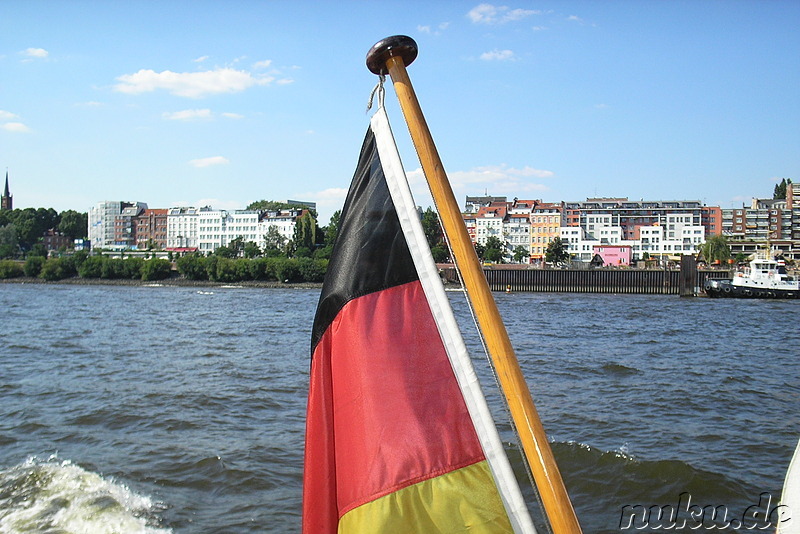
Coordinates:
(223, 103)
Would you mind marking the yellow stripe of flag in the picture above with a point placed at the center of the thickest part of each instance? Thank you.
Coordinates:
(468, 494)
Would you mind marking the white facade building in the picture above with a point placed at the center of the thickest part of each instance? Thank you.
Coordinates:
(284, 221)
(680, 236)
(182, 228)
(518, 228)
(216, 228)
(490, 222)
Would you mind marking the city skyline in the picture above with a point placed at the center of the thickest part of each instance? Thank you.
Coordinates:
(226, 104)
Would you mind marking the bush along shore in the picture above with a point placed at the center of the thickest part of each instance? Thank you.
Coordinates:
(187, 270)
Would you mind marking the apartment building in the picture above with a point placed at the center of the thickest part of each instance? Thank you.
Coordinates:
(216, 228)
(151, 229)
(182, 229)
(517, 232)
(111, 224)
(490, 221)
(776, 222)
(546, 221)
(649, 228)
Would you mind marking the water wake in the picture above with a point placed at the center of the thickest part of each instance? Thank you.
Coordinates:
(57, 496)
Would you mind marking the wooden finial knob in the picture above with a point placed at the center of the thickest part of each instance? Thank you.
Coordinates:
(397, 45)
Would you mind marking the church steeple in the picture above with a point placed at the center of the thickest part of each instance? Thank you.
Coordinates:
(6, 201)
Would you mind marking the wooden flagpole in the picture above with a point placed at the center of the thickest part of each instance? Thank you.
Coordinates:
(391, 56)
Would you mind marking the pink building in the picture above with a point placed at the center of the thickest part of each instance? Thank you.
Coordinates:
(614, 255)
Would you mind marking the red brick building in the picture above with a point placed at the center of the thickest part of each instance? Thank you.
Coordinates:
(151, 229)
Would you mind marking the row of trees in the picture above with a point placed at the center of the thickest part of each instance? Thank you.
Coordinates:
(85, 266)
(21, 230)
(191, 267)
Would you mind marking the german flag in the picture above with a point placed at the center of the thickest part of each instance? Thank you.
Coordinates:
(398, 435)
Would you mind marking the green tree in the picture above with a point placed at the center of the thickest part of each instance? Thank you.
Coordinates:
(33, 265)
(520, 253)
(305, 232)
(716, 248)
(251, 250)
(225, 252)
(156, 269)
(38, 249)
(192, 266)
(92, 267)
(79, 257)
(556, 251)
(494, 250)
(287, 270)
(132, 268)
(10, 269)
(480, 251)
(9, 242)
(431, 227)
(58, 268)
(236, 247)
(440, 253)
(73, 224)
(780, 189)
(332, 230)
(274, 242)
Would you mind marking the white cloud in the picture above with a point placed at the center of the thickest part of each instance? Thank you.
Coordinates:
(7, 115)
(190, 84)
(284, 81)
(39, 53)
(492, 174)
(433, 31)
(208, 162)
(498, 55)
(200, 59)
(232, 115)
(494, 179)
(187, 115)
(262, 64)
(491, 14)
(17, 127)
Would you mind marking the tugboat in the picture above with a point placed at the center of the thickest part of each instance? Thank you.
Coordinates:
(766, 278)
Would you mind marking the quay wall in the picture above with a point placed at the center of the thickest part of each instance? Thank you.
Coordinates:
(633, 281)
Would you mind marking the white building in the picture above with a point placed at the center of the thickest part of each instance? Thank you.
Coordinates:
(680, 236)
(518, 226)
(283, 220)
(216, 228)
(182, 228)
(490, 222)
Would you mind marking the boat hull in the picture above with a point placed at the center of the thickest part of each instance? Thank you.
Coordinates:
(726, 289)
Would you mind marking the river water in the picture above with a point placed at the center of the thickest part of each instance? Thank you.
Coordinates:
(174, 409)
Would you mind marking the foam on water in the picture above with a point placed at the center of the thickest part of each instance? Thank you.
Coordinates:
(57, 496)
